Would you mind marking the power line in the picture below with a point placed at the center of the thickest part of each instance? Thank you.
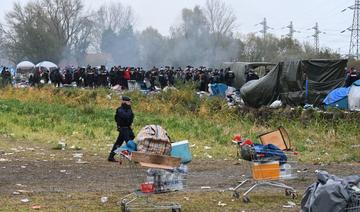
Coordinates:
(355, 31)
(316, 36)
(291, 30)
(265, 27)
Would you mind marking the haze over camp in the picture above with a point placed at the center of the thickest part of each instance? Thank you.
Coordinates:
(204, 105)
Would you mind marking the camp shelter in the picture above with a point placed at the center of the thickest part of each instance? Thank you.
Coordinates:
(354, 96)
(296, 83)
(337, 98)
(25, 67)
(46, 65)
(241, 68)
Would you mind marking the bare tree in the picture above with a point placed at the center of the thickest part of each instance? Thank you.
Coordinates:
(115, 16)
(220, 17)
(45, 29)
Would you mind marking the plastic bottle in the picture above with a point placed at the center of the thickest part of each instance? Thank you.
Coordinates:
(285, 171)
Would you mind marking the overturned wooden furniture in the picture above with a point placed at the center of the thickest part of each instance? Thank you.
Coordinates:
(155, 161)
(279, 138)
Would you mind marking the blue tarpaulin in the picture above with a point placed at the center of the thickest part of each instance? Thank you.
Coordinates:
(218, 89)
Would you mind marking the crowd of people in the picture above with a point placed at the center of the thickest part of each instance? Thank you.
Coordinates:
(148, 79)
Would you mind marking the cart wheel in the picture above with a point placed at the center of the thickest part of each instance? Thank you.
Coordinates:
(123, 207)
(294, 195)
(288, 192)
(236, 195)
(246, 199)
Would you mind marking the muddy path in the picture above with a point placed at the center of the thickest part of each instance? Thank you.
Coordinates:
(45, 171)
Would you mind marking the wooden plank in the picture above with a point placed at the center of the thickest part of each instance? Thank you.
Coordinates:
(166, 161)
(155, 166)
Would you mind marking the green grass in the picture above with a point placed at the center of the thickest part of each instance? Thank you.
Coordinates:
(85, 118)
(207, 201)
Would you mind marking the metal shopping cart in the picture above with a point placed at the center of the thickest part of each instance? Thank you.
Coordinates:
(273, 170)
(148, 180)
(354, 202)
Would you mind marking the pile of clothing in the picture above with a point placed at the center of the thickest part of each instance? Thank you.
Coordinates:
(332, 194)
(261, 153)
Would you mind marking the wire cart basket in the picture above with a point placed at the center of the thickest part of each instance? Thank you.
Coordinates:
(148, 181)
(272, 171)
(354, 203)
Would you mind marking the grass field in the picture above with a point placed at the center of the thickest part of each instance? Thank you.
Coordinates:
(85, 119)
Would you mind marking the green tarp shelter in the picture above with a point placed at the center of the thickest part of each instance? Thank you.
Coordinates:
(287, 81)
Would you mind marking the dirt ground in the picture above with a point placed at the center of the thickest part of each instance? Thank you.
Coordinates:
(45, 171)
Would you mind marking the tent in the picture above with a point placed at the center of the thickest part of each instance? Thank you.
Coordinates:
(47, 65)
(241, 68)
(296, 83)
(354, 96)
(25, 67)
(337, 98)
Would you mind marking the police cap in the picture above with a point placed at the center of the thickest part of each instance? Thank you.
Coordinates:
(125, 98)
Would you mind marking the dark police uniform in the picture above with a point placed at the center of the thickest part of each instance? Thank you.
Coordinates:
(124, 118)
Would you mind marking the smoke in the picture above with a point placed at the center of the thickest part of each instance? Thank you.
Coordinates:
(192, 42)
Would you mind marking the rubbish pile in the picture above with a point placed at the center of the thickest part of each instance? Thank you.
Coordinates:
(333, 194)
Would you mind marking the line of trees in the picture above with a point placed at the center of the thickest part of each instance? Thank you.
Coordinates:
(64, 30)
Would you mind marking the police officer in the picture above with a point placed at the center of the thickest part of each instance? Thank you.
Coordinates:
(124, 118)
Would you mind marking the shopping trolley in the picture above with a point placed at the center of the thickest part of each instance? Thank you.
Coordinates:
(354, 202)
(270, 171)
(148, 181)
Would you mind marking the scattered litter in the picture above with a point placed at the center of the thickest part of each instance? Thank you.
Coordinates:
(81, 162)
(205, 187)
(20, 185)
(78, 155)
(187, 198)
(61, 145)
(4, 160)
(62, 171)
(75, 148)
(353, 146)
(4, 167)
(207, 147)
(23, 167)
(25, 200)
(24, 191)
(8, 153)
(207, 155)
(104, 199)
(231, 189)
(289, 205)
(276, 104)
(78, 177)
(193, 145)
(221, 204)
(221, 191)
(36, 207)
(16, 193)
(30, 149)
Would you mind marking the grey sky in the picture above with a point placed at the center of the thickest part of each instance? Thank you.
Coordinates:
(161, 14)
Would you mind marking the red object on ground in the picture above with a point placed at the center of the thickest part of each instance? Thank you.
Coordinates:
(147, 187)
